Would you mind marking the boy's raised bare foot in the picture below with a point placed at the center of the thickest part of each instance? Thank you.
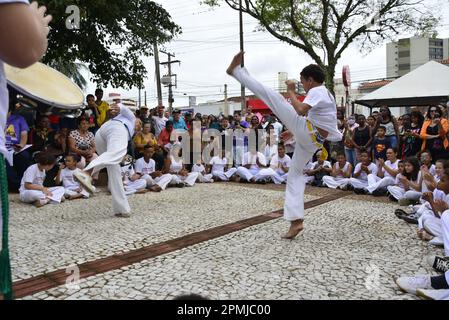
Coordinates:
(295, 228)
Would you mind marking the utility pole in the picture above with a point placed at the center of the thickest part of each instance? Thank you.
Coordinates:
(168, 81)
(243, 95)
(226, 105)
(158, 74)
(145, 104)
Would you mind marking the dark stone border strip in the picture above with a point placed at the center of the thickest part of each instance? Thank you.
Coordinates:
(56, 278)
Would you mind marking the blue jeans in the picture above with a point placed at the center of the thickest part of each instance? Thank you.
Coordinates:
(351, 156)
(393, 140)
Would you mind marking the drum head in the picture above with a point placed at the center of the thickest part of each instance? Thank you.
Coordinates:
(45, 85)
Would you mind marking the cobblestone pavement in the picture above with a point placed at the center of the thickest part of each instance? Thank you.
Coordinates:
(351, 248)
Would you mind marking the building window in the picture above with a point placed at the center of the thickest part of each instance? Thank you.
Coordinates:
(435, 42)
(405, 66)
(404, 54)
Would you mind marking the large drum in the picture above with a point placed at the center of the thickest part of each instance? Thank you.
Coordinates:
(45, 88)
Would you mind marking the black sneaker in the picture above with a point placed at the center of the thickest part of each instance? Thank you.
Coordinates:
(359, 191)
(380, 192)
(392, 198)
(440, 264)
(411, 218)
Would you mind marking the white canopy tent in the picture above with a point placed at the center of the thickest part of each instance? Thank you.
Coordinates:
(426, 85)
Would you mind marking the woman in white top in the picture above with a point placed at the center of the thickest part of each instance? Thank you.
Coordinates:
(386, 173)
(409, 190)
(341, 173)
(361, 172)
(174, 165)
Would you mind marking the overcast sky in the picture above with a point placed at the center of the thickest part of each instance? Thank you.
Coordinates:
(209, 40)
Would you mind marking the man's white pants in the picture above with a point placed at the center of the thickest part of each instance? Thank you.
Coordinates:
(334, 183)
(207, 178)
(280, 176)
(375, 183)
(111, 141)
(31, 196)
(190, 179)
(257, 174)
(72, 192)
(399, 193)
(358, 183)
(161, 181)
(304, 146)
(133, 186)
(224, 176)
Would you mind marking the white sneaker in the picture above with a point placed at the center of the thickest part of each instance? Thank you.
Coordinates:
(411, 284)
(433, 294)
(85, 180)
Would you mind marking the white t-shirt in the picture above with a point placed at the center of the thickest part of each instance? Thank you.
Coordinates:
(309, 166)
(251, 159)
(68, 181)
(143, 167)
(363, 176)
(397, 182)
(326, 164)
(127, 173)
(270, 151)
(276, 161)
(323, 112)
(32, 175)
(344, 169)
(159, 124)
(218, 164)
(393, 166)
(198, 168)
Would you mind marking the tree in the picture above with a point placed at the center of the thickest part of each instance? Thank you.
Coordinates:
(112, 38)
(72, 70)
(330, 26)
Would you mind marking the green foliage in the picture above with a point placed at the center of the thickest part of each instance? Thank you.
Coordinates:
(112, 38)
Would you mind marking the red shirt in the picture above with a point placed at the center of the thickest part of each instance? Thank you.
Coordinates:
(164, 137)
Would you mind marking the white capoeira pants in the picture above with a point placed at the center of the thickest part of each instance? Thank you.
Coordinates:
(309, 179)
(224, 176)
(304, 145)
(207, 178)
(189, 180)
(280, 176)
(257, 174)
(375, 183)
(161, 181)
(334, 183)
(358, 183)
(72, 192)
(111, 141)
(132, 187)
(399, 193)
(31, 196)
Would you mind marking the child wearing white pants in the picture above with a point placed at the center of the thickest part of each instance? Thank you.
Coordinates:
(386, 173)
(73, 189)
(176, 168)
(411, 182)
(341, 173)
(219, 164)
(320, 108)
(280, 163)
(361, 172)
(32, 188)
(203, 177)
(132, 181)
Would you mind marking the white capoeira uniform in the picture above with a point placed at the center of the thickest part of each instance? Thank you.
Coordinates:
(270, 152)
(375, 182)
(145, 169)
(111, 141)
(202, 178)
(218, 168)
(276, 162)
(433, 225)
(362, 181)
(322, 115)
(176, 166)
(309, 166)
(339, 181)
(398, 191)
(255, 171)
(71, 186)
(35, 176)
(131, 186)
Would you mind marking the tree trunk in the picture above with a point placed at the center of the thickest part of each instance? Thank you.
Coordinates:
(329, 70)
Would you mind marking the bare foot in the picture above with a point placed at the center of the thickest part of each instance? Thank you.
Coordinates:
(141, 191)
(295, 228)
(426, 236)
(156, 188)
(78, 196)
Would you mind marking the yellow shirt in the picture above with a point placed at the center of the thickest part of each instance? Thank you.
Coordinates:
(103, 111)
(140, 139)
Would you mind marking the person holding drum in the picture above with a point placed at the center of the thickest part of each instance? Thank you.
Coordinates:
(19, 47)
